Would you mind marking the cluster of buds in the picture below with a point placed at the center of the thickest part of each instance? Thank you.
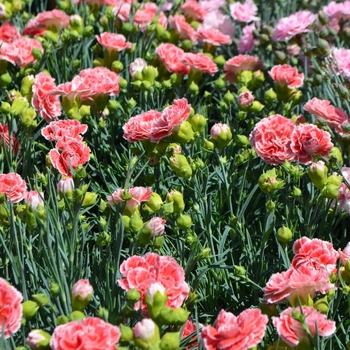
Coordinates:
(329, 185)
(143, 75)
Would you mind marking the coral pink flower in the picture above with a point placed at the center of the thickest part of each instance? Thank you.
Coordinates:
(145, 14)
(344, 192)
(315, 254)
(157, 225)
(287, 75)
(137, 66)
(74, 153)
(13, 186)
(139, 127)
(194, 10)
(89, 333)
(10, 308)
(99, 81)
(322, 109)
(72, 89)
(32, 29)
(19, 52)
(139, 195)
(308, 140)
(8, 33)
(189, 328)
(171, 56)
(291, 330)
(212, 36)
(240, 63)
(122, 10)
(292, 25)
(34, 199)
(113, 41)
(48, 105)
(247, 42)
(171, 116)
(58, 129)
(178, 22)
(200, 62)
(271, 139)
(244, 12)
(229, 332)
(140, 272)
(293, 285)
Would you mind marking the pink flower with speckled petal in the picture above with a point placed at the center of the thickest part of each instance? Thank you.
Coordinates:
(291, 330)
(13, 186)
(307, 141)
(140, 272)
(271, 139)
(58, 129)
(292, 25)
(243, 332)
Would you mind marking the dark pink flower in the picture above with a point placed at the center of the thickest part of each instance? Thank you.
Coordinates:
(307, 141)
(297, 23)
(243, 332)
(8, 33)
(292, 331)
(247, 42)
(271, 139)
(140, 272)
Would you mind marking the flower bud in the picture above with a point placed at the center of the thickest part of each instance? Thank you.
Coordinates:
(245, 99)
(133, 296)
(270, 205)
(221, 135)
(256, 106)
(268, 182)
(81, 294)
(177, 199)
(103, 313)
(242, 140)
(136, 222)
(30, 308)
(54, 289)
(90, 199)
(41, 299)
(183, 132)
(180, 165)
(126, 333)
(228, 97)
(37, 339)
(156, 298)
(270, 96)
(76, 315)
(322, 305)
(170, 341)
(284, 235)
(26, 86)
(65, 186)
(335, 156)
(208, 145)
(323, 47)
(155, 202)
(184, 222)
(172, 316)
(146, 334)
(198, 122)
(318, 174)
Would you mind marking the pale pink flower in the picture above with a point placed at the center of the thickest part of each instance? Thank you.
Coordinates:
(65, 185)
(240, 63)
(212, 36)
(344, 192)
(200, 62)
(145, 329)
(178, 22)
(211, 5)
(215, 19)
(58, 129)
(244, 12)
(139, 194)
(137, 66)
(157, 225)
(82, 289)
(291, 330)
(194, 10)
(246, 98)
(240, 332)
(341, 61)
(34, 199)
(345, 253)
(247, 42)
(297, 23)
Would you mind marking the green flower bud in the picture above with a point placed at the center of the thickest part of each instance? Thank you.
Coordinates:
(54, 289)
(90, 199)
(220, 60)
(270, 205)
(126, 333)
(198, 122)
(18, 105)
(240, 271)
(284, 235)
(180, 165)
(37, 339)
(62, 320)
(26, 86)
(156, 299)
(37, 53)
(296, 192)
(318, 173)
(172, 316)
(228, 97)
(88, 31)
(193, 88)
(322, 305)
(330, 191)
(30, 308)
(183, 132)
(244, 77)
(256, 106)
(117, 66)
(136, 223)
(177, 199)
(268, 182)
(335, 155)
(242, 140)
(170, 341)
(184, 222)
(41, 299)
(219, 83)
(208, 145)
(323, 47)
(132, 296)
(5, 107)
(76, 316)
(150, 73)
(155, 202)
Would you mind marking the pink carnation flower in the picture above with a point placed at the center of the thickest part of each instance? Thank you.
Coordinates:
(240, 63)
(291, 330)
(179, 23)
(212, 36)
(246, 42)
(113, 41)
(171, 56)
(200, 62)
(244, 12)
(292, 25)
(140, 272)
(287, 75)
(240, 332)
(344, 192)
